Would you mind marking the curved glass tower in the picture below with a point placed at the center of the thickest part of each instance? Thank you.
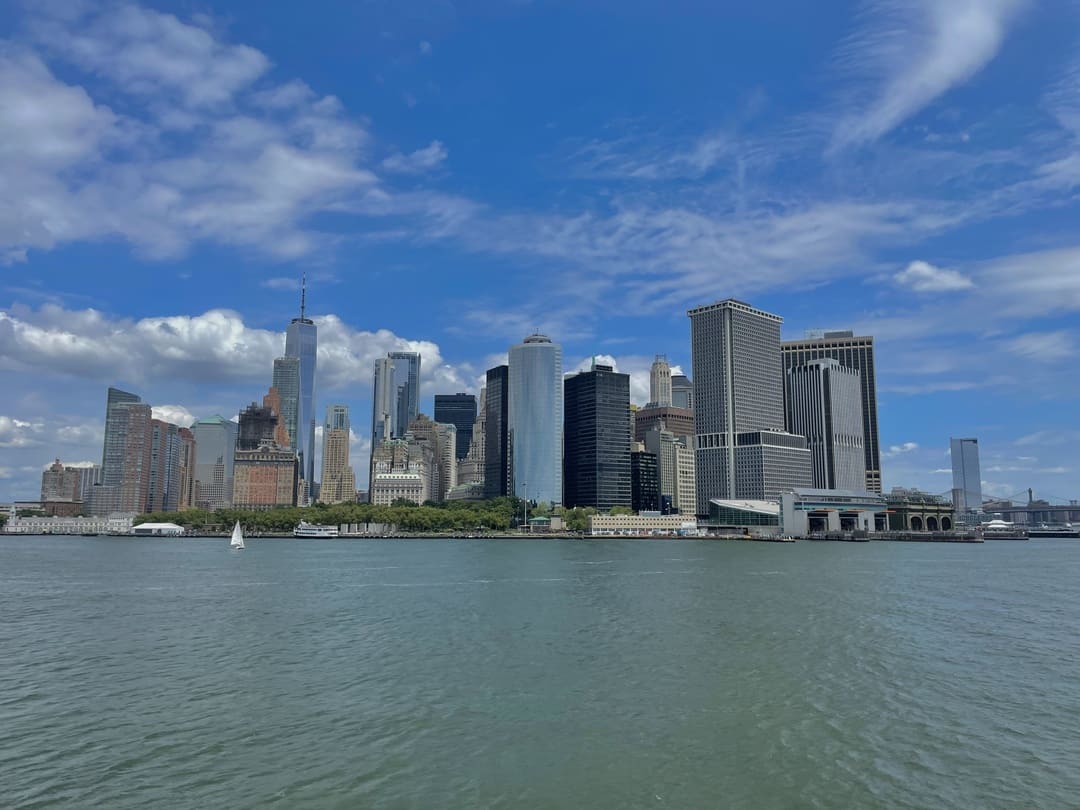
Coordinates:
(536, 419)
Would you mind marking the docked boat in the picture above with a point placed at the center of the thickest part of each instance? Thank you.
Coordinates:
(1067, 531)
(237, 542)
(1003, 530)
(314, 530)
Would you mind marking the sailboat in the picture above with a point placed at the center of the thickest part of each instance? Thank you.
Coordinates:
(237, 538)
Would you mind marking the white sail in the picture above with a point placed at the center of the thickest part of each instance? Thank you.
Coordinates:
(237, 537)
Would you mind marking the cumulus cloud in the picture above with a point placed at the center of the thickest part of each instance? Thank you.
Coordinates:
(915, 52)
(199, 154)
(176, 414)
(214, 347)
(922, 276)
(19, 432)
(422, 160)
(900, 449)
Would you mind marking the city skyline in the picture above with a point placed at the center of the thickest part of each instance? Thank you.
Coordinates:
(963, 268)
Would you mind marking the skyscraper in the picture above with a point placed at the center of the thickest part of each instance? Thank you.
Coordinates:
(258, 424)
(163, 494)
(407, 396)
(471, 470)
(458, 410)
(112, 455)
(682, 392)
(338, 483)
(125, 456)
(742, 450)
(644, 482)
(497, 432)
(675, 469)
(851, 352)
(966, 475)
(266, 472)
(383, 402)
(597, 451)
(660, 383)
(287, 383)
(824, 403)
(215, 440)
(136, 460)
(536, 419)
(302, 342)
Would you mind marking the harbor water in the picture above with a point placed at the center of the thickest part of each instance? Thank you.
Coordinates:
(538, 674)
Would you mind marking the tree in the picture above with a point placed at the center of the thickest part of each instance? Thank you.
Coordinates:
(621, 510)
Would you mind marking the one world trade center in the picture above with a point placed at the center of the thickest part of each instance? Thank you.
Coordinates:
(302, 342)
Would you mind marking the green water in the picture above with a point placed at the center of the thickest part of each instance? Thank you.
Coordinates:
(538, 674)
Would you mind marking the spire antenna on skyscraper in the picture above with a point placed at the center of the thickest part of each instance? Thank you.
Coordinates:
(303, 294)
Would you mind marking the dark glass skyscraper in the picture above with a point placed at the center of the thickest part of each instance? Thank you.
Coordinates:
(287, 383)
(497, 432)
(302, 342)
(644, 482)
(407, 383)
(458, 410)
(597, 439)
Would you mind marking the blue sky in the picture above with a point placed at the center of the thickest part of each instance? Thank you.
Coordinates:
(453, 175)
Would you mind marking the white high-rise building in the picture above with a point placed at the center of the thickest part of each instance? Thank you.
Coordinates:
(966, 475)
(535, 419)
(742, 450)
(823, 400)
(660, 383)
(851, 351)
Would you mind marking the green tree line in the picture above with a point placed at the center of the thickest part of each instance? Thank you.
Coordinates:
(498, 514)
(495, 515)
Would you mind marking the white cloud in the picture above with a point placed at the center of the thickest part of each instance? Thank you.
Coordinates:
(921, 276)
(215, 347)
(418, 162)
(199, 154)
(425, 47)
(281, 283)
(176, 414)
(1043, 347)
(149, 53)
(916, 51)
(16, 432)
(900, 449)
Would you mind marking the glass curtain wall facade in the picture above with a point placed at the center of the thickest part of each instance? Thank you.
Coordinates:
(407, 396)
(497, 432)
(536, 419)
(967, 476)
(597, 439)
(458, 410)
(287, 383)
(215, 440)
(302, 342)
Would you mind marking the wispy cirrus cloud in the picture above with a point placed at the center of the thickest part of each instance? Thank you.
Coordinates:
(418, 162)
(913, 53)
